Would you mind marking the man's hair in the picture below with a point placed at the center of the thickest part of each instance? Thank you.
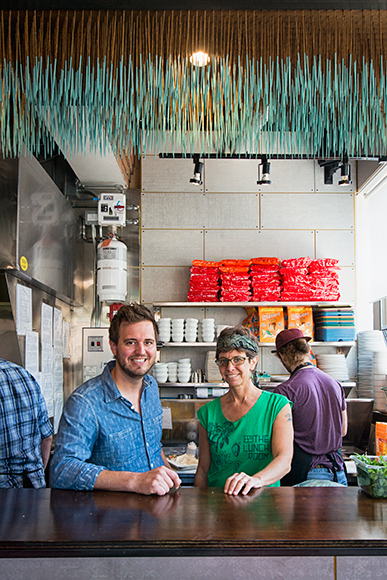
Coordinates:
(232, 331)
(131, 313)
(294, 352)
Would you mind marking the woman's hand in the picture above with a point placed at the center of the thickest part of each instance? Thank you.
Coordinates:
(241, 482)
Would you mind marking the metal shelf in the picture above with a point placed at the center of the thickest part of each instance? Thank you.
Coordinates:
(271, 344)
(244, 304)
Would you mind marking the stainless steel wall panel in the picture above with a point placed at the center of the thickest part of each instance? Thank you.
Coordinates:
(339, 244)
(171, 247)
(8, 214)
(335, 187)
(47, 229)
(233, 175)
(231, 211)
(164, 284)
(248, 244)
(169, 175)
(290, 175)
(173, 210)
(307, 211)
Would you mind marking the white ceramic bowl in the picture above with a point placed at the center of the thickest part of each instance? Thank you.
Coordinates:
(172, 366)
(184, 368)
(191, 321)
(183, 377)
(184, 360)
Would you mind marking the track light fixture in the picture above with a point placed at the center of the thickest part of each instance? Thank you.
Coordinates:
(198, 171)
(331, 166)
(345, 174)
(265, 172)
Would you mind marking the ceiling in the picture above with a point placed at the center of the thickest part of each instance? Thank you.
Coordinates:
(199, 5)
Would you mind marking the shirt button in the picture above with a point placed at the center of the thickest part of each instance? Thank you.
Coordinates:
(151, 464)
(147, 444)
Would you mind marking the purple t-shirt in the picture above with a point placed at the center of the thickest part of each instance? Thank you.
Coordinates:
(318, 402)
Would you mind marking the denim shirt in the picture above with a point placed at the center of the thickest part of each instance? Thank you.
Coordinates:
(100, 429)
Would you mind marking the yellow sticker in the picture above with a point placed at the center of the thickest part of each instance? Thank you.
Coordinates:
(23, 263)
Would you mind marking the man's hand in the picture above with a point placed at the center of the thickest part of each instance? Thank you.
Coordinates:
(159, 481)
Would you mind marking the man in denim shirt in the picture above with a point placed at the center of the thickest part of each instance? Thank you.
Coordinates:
(109, 434)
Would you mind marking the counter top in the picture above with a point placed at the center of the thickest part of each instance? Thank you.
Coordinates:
(191, 522)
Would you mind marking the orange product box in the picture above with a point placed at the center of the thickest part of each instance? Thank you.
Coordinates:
(381, 438)
(252, 322)
(271, 322)
(301, 317)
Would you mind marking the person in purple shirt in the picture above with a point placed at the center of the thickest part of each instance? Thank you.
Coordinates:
(319, 413)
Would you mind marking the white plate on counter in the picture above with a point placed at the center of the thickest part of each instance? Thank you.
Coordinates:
(183, 462)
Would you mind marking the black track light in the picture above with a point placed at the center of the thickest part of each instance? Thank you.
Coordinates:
(265, 172)
(198, 171)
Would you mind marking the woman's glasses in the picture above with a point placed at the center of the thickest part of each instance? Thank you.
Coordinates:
(236, 361)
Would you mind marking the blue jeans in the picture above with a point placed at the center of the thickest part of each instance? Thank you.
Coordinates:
(327, 474)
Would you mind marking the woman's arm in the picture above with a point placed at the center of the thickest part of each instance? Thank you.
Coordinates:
(282, 449)
(204, 458)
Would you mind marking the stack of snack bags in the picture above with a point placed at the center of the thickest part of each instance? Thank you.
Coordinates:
(295, 280)
(324, 279)
(235, 281)
(265, 279)
(204, 281)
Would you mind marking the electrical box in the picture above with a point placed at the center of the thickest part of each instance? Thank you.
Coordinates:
(96, 351)
(112, 209)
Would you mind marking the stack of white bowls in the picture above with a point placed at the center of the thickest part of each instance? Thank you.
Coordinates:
(207, 327)
(172, 372)
(177, 329)
(164, 325)
(160, 372)
(191, 329)
(379, 372)
(184, 370)
(368, 342)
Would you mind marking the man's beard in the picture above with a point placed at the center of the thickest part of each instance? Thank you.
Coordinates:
(124, 366)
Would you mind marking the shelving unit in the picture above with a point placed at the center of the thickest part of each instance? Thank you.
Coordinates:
(345, 345)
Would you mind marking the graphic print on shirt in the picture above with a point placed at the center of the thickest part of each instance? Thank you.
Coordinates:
(252, 447)
(257, 447)
(218, 437)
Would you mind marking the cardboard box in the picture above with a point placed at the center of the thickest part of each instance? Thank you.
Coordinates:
(301, 317)
(381, 438)
(271, 322)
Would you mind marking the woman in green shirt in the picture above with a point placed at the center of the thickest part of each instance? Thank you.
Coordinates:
(246, 436)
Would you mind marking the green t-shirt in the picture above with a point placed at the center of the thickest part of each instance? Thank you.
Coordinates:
(243, 445)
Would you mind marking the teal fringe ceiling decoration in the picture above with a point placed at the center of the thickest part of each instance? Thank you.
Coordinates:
(310, 107)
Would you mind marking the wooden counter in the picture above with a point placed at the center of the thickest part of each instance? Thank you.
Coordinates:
(192, 522)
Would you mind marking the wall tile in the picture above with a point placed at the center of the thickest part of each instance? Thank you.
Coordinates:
(249, 244)
(307, 211)
(339, 244)
(171, 247)
(164, 284)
